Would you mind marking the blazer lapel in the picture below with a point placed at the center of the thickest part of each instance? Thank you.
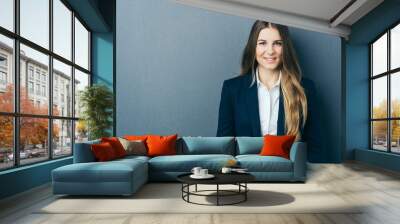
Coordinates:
(252, 105)
(281, 115)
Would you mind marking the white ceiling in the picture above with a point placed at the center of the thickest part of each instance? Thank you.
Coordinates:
(316, 15)
(319, 9)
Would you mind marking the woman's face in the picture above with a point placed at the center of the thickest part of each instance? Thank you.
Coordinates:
(269, 49)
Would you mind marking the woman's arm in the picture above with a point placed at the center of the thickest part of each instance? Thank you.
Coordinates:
(226, 123)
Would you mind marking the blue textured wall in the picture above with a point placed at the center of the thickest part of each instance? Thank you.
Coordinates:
(24, 178)
(357, 73)
(102, 58)
(172, 60)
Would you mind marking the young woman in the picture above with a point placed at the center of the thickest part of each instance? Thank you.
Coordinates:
(270, 96)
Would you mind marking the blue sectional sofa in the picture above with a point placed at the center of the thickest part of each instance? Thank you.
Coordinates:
(125, 176)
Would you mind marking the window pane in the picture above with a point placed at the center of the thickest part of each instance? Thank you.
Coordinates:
(379, 55)
(62, 89)
(395, 130)
(6, 74)
(62, 138)
(34, 78)
(6, 142)
(379, 135)
(395, 47)
(33, 140)
(395, 94)
(81, 45)
(35, 21)
(81, 81)
(62, 29)
(379, 100)
(7, 14)
(81, 131)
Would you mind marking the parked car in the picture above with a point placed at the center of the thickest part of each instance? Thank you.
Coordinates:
(22, 155)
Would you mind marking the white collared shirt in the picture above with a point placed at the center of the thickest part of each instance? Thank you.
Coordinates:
(268, 106)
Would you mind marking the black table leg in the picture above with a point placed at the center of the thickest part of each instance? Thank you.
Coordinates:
(217, 194)
(188, 189)
(245, 193)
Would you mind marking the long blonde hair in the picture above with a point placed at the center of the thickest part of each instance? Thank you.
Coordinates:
(295, 100)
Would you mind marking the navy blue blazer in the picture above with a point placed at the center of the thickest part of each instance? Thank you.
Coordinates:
(239, 114)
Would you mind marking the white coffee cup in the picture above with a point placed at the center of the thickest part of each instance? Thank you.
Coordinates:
(196, 170)
(226, 170)
(203, 172)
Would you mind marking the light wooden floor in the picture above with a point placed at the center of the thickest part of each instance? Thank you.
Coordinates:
(353, 182)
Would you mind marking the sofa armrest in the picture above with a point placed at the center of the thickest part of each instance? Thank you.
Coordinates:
(83, 152)
(298, 155)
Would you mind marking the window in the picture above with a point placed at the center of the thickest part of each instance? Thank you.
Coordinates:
(43, 90)
(62, 74)
(44, 131)
(81, 81)
(34, 21)
(62, 29)
(385, 91)
(6, 73)
(37, 89)
(3, 72)
(7, 142)
(81, 45)
(30, 87)
(3, 78)
(3, 61)
(7, 14)
(38, 74)
(30, 72)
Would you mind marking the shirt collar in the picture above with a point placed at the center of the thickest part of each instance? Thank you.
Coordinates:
(278, 82)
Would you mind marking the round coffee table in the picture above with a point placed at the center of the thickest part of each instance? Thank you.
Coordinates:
(238, 179)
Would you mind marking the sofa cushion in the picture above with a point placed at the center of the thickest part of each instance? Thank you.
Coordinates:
(185, 163)
(111, 171)
(132, 158)
(208, 145)
(249, 145)
(257, 163)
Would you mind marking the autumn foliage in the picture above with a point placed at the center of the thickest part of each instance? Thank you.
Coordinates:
(380, 127)
(33, 131)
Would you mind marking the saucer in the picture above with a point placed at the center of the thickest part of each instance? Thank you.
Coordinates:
(208, 176)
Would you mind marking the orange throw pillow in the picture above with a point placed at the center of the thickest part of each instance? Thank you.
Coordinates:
(277, 145)
(116, 145)
(161, 145)
(103, 151)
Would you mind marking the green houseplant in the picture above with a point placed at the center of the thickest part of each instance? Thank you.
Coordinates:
(96, 102)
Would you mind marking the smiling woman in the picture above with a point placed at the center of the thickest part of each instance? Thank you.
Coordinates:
(270, 96)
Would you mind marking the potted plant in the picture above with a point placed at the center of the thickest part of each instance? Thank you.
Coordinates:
(96, 102)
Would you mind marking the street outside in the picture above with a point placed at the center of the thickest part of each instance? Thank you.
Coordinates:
(32, 156)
